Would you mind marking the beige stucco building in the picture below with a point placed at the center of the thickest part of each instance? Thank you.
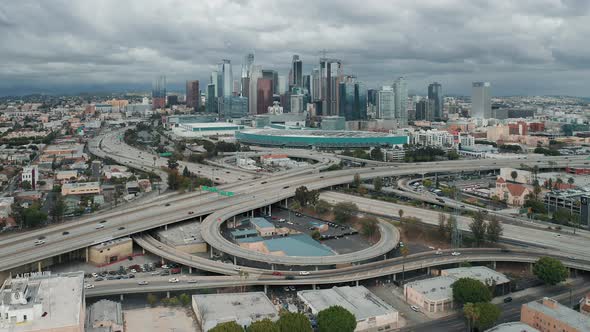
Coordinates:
(111, 251)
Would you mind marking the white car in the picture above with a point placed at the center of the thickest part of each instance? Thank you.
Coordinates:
(416, 309)
(39, 242)
(282, 220)
(99, 226)
(237, 268)
(439, 252)
(88, 286)
(94, 274)
(133, 271)
(143, 282)
(304, 273)
(454, 253)
(173, 280)
(164, 266)
(431, 247)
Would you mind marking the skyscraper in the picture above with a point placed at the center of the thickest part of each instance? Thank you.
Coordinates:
(425, 109)
(159, 92)
(211, 104)
(227, 78)
(264, 95)
(330, 75)
(245, 77)
(297, 70)
(255, 75)
(360, 101)
(315, 85)
(401, 101)
(193, 96)
(481, 103)
(435, 94)
(215, 79)
(386, 103)
(346, 103)
(372, 96)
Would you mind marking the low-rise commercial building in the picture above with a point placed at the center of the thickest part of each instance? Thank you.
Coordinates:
(371, 313)
(512, 327)
(110, 251)
(83, 188)
(242, 308)
(484, 274)
(432, 295)
(185, 237)
(548, 315)
(105, 316)
(263, 226)
(43, 302)
(31, 175)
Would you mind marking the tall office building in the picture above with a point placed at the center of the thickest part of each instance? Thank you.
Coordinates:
(211, 103)
(264, 95)
(215, 79)
(159, 92)
(233, 107)
(330, 76)
(360, 101)
(435, 94)
(401, 101)
(307, 83)
(372, 96)
(296, 103)
(346, 103)
(297, 71)
(193, 96)
(425, 109)
(481, 103)
(282, 86)
(245, 77)
(255, 75)
(227, 78)
(386, 103)
(315, 85)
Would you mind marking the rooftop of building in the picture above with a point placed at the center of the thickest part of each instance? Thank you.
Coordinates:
(561, 313)
(358, 300)
(481, 273)
(512, 327)
(317, 133)
(60, 296)
(81, 185)
(111, 243)
(243, 308)
(244, 232)
(298, 245)
(261, 222)
(212, 125)
(434, 289)
(182, 234)
(104, 311)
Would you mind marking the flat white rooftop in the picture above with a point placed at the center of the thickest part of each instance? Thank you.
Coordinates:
(434, 289)
(481, 273)
(512, 327)
(182, 234)
(358, 300)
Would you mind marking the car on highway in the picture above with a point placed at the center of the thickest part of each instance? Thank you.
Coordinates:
(65, 233)
(88, 286)
(39, 242)
(507, 299)
(99, 226)
(98, 279)
(237, 268)
(277, 273)
(439, 252)
(173, 280)
(121, 228)
(142, 282)
(192, 281)
(455, 253)
(190, 212)
(304, 273)
(167, 204)
(415, 308)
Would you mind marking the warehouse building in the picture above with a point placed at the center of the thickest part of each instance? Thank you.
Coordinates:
(110, 251)
(242, 308)
(185, 237)
(371, 313)
(551, 316)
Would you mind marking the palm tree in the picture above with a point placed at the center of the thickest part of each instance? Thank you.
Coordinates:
(471, 314)
(401, 215)
(571, 180)
(404, 251)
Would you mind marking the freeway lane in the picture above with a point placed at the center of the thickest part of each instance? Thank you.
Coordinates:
(249, 195)
(343, 275)
(570, 244)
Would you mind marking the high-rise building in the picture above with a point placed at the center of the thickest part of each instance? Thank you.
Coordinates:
(255, 75)
(360, 101)
(315, 87)
(307, 83)
(264, 95)
(282, 86)
(481, 103)
(297, 103)
(297, 71)
(372, 96)
(346, 103)
(330, 76)
(425, 109)
(215, 79)
(233, 107)
(211, 105)
(435, 94)
(236, 88)
(401, 101)
(247, 65)
(193, 96)
(386, 103)
(159, 92)
(227, 78)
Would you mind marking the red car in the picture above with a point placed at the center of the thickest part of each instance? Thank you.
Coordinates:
(277, 273)
(175, 270)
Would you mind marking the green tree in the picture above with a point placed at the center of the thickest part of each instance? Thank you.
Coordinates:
(471, 314)
(356, 180)
(494, 230)
(369, 226)
(344, 211)
(427, 183)
(322, 206)
(185, 172)
(571, 180)
(486, 315)
(152, 299)
(33, 216)
(227, 327)
(313, 196)
(467, 290)
(378, 183)
(478, 228)
(301, 195)
(514, 175)
(265, 325)
(550, 270)
(400, 212)
(316, 235)
(58, 210)
(377, 154)
(172, 163)
(26, 185)
(184, 299)
(294, 322)
(336, 319)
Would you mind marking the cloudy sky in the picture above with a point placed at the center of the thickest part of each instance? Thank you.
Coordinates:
(522, 47)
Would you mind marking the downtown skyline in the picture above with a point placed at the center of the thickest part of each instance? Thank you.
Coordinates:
(522, 48)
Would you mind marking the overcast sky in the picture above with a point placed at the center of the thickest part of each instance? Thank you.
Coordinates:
(521, 46)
